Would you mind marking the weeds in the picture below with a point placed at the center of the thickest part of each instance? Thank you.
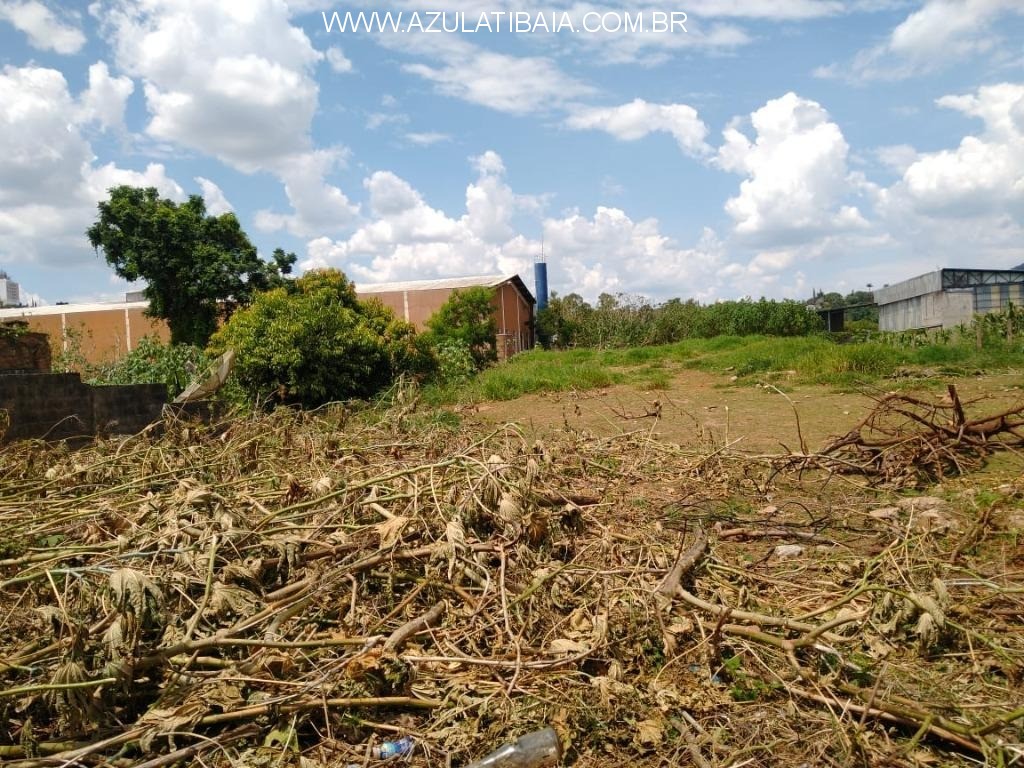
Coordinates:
(751, 359)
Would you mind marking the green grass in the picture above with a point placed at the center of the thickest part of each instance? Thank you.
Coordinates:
(797, 360)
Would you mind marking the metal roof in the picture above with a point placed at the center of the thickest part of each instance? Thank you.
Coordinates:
(447, 283)
(14, 313)
(487, 281)
(946, 279)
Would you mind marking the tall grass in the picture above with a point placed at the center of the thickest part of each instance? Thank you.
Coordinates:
(795, 360)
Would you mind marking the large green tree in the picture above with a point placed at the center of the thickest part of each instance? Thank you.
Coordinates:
(198, 268)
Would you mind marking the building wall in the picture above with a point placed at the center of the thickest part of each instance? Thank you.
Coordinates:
(939, 309)
(995, 298)
(512, 313)
(105, 335)
(10, 293)
(909, 289)
(24, 352)
(948, 309)
(58, 405)
(102, 336)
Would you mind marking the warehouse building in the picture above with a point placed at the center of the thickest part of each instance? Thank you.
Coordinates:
(947, 298)
(102, 333)
(107, 332)
(416, 301)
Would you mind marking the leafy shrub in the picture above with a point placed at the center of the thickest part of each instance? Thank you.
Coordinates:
(455, 363)
(467, 318)
(313, 341)
(153, 362)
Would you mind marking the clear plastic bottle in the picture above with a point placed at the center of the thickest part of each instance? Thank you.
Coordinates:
(540, 749)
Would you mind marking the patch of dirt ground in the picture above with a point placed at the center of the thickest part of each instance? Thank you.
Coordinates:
(699, 406)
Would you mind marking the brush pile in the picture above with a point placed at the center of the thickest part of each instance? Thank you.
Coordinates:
(301, 589)
(908, 440)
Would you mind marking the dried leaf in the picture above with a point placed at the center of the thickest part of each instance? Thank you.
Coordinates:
(390, 530)
(455, 534)
(567, 646)
(649, 734)
(134, 591)
(322, 487)
(230, 599)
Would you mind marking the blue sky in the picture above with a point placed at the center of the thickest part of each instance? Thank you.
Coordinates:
(767, 147)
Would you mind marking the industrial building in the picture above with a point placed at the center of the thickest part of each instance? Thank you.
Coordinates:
(416, 301)
(947, 298)
(107, 332)
(100, 332)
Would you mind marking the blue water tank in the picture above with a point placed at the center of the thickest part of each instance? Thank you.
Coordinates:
(540, 281)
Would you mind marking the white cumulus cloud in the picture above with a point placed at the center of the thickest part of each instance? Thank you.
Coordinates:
(406, 238)
(985, 173)
(105, 99)
(936, 35)
(49, 179)
(234, 81)
(640, 118)
(797, 182)
(44, 29)
(216, 202)
(339, 62)
(506, 83)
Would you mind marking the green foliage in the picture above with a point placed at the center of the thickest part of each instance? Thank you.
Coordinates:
(816, 359)
(70, 357)
(833, 300)
(198, 268)
(631, 321)
(313, 342)
(152, 362)
(468, 318)
(12, 331)
(455, 363)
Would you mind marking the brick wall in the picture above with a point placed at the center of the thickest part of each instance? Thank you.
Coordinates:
(58, 405)
(24, 352)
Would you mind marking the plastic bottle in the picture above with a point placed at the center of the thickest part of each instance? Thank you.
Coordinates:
(540, 749)
(388, 749)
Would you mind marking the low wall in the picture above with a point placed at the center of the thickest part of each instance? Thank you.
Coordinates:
(24, 351)
(58, 405)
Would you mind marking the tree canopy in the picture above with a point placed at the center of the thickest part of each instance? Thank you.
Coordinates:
(197, 267)
(467, 317)
(313, 342)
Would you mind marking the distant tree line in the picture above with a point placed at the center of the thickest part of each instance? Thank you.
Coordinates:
(834, 300)
(631, 321)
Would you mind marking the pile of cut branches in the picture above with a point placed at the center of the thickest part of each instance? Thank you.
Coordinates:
(910, 440)
(298, 589)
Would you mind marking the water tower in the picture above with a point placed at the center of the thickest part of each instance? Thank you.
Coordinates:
(540, 279)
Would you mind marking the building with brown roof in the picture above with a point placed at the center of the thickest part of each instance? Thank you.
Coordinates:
(416, 301)
(107, 332)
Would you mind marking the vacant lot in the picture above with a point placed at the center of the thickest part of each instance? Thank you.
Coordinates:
(751, 417)
(645, 566)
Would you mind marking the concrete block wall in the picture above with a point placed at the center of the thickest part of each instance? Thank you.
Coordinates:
(125, 409)
(56, 406)
(24, 352)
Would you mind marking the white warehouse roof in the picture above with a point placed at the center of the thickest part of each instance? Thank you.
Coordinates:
(448, 283)
(13, 313)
